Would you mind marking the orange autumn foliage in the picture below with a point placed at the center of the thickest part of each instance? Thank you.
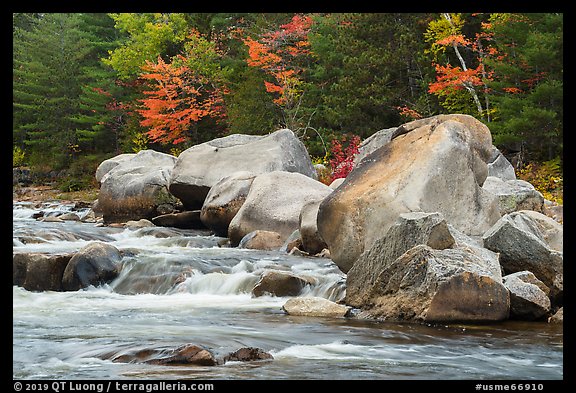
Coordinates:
(277, 54)
(177, 99)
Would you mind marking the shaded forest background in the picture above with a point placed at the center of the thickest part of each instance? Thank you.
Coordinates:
(89, 86)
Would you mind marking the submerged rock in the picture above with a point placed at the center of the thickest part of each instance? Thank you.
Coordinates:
(262, 240)
(247, 354)
(184, 355)
(183, 220)
(279, 284)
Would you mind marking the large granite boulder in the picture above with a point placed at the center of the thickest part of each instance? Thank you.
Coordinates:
(133, 186)
(224, 200)
(437, 164)
(95, 264)
(428, 285)
(528, 240)
(373, 143)
(109, 164)
(274, 203)
(412, 272)
(200, 167)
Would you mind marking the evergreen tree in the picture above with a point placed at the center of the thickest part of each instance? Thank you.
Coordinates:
(368, 67)
(46, 86)
(61, 89)
(528, 86)
(96, 131)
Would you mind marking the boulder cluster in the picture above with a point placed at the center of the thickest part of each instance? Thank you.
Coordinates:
(431, 225)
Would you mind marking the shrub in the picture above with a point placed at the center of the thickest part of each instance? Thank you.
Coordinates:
(342, 161)
(546, 177)
(17, 157)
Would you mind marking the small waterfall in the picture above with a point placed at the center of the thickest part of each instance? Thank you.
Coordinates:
(220, 272)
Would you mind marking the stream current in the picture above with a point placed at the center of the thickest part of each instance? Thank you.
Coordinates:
(178, 287)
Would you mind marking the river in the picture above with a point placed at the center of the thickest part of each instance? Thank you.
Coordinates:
(180, 287)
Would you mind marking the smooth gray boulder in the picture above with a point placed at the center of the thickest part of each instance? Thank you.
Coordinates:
(95, 264)
(274, 203)
(224, 200)
(436, 164)
(135, 186)
(107, 165)
(200, 167)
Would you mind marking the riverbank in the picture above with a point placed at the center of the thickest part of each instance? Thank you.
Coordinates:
(43, 193)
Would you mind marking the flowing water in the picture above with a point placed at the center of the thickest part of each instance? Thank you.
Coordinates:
(179, 287)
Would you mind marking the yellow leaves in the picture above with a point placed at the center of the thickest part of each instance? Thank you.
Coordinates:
(546, 177)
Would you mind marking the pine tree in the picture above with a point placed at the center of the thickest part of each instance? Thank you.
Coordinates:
(62, 92)
(45, 86)
(368, 68)
(98, 100)
(528, 86)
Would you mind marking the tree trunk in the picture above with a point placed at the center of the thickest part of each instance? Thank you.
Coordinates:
(468, 86)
